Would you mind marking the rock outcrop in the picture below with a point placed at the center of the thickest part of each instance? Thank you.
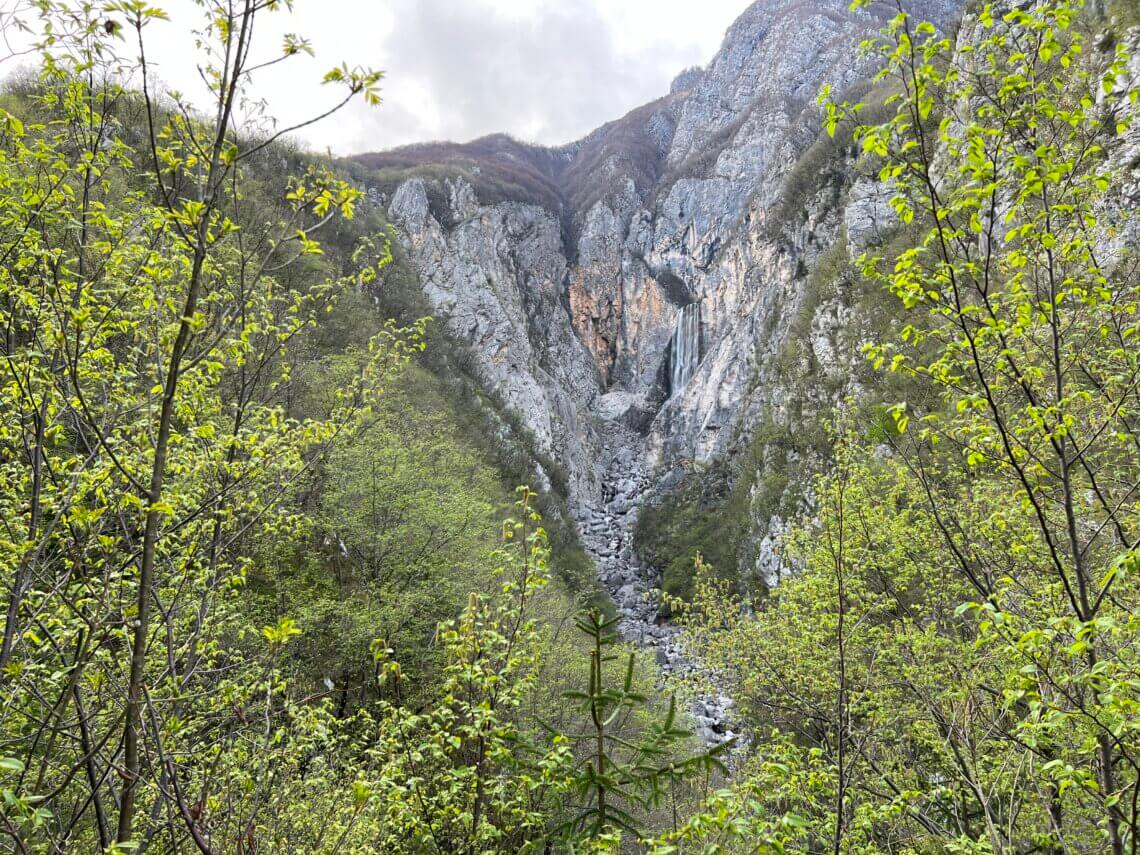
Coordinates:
(632, 295)
(496, 275)
(573, 287)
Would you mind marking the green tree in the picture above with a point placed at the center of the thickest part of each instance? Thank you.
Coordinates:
(466, 774)
(624, 766)
(1026, 324)
(953, 666)
(144, 437)
(404, 520)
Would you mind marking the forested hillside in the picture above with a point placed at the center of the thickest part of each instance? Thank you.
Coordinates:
(827, 408)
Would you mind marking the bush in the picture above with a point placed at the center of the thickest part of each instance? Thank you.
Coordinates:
(702, 516)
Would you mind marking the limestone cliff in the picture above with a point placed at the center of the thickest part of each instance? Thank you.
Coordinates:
(568, 269)
(676, 290)
(642, 297)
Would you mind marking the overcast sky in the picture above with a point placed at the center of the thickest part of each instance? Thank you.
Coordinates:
(547, 71)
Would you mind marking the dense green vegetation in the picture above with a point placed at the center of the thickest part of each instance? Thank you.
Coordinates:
(702, 516)
(239, 496)
(266, 590)
(953, 667)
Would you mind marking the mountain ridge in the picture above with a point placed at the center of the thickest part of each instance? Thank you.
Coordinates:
(714, 225)
(653, 210)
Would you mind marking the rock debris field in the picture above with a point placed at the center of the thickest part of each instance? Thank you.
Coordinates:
(607, 529)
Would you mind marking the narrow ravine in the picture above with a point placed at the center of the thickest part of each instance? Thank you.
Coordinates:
(607, 527)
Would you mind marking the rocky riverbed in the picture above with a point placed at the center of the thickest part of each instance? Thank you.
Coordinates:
(607, 531)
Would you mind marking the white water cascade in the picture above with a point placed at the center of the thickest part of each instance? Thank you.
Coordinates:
(685, 348)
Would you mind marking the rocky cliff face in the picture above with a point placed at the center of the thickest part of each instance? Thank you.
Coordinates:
(676, 289)
(635, 296)
(577, 291)
(497, 275)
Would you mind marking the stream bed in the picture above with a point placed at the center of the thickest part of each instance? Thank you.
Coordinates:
(607, 526)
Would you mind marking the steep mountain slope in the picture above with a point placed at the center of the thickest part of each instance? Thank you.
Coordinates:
(651, 298)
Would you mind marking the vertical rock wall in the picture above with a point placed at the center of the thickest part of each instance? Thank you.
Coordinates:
(694, 200)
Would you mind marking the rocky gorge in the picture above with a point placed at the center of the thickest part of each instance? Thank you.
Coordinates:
(672, 294)
(758, 473)
(634, 296)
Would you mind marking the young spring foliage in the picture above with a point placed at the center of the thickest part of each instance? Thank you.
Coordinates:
(146, 440)
(954, 666)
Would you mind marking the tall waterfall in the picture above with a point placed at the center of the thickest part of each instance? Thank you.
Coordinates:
(685, 348)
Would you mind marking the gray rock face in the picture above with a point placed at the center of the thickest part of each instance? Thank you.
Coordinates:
(868, 215)
(667, 206)
(570, 297)
(1126, 160)
(497, 276)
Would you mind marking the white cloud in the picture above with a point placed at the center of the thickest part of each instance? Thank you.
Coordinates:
(543, 70)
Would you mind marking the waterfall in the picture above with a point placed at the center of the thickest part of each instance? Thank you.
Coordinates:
(685, 348)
